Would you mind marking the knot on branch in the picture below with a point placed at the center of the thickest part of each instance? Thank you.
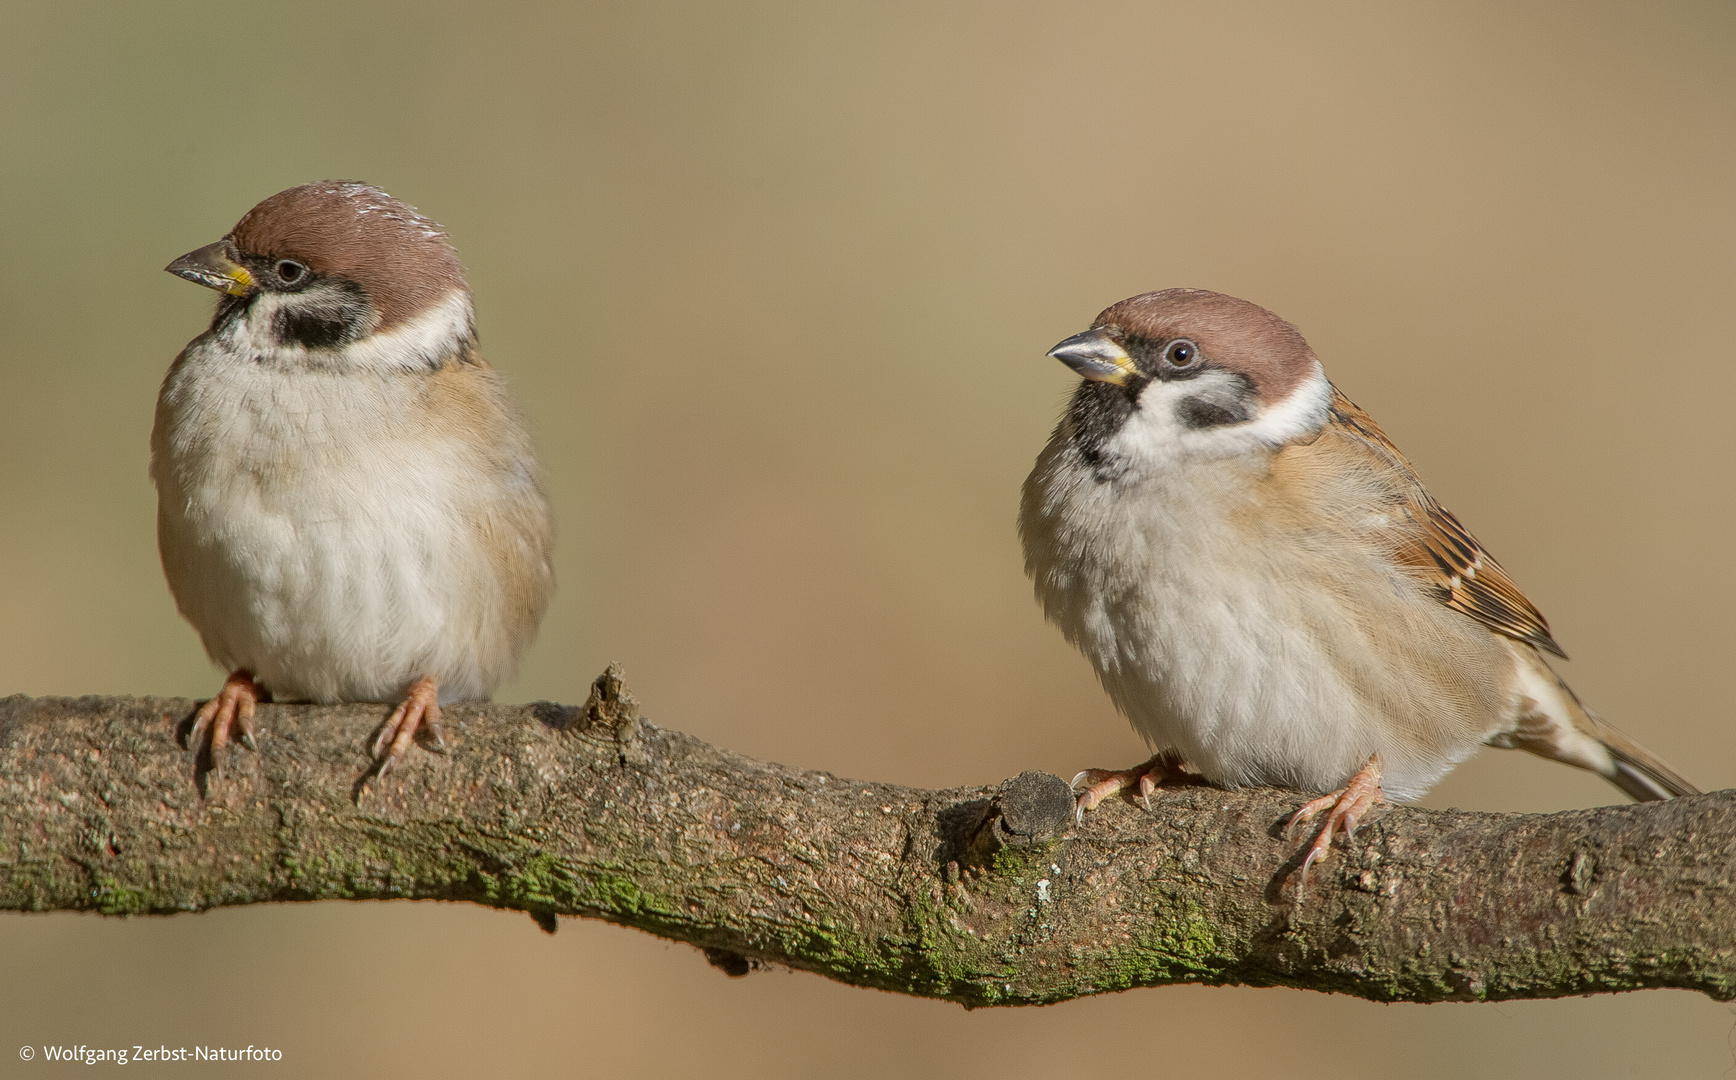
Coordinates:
(1027, 815)
(731, 963)
(612, 707)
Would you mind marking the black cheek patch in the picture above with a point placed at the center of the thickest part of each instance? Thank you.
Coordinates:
(317, 329)
(1198, 412)
(323, 315)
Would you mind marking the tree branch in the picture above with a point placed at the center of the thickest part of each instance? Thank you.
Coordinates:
(984, 896)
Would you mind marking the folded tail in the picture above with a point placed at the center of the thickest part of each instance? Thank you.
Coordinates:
(1637, 770)
(1551, 722)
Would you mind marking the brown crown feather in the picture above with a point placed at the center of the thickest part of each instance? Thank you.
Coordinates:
(1233, 334)
(355, 232)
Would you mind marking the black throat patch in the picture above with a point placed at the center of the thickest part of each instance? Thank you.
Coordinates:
(1098, 410)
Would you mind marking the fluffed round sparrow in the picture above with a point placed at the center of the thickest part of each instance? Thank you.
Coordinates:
(348, 505)
(1264, 586)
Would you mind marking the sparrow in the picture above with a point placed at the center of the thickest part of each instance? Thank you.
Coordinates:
(1264, 586)
(348, 504)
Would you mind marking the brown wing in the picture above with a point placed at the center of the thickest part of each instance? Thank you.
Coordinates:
(1444, 551)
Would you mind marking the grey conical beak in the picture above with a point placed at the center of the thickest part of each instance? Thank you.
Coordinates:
(215, 267)
(1096, 356)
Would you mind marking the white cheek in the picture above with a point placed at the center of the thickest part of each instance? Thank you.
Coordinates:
(255, 333)
(421, 342)
(1155, 435)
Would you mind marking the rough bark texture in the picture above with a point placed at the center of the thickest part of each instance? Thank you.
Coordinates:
(984, 896)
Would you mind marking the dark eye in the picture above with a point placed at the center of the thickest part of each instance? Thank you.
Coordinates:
(290, 271)
(1181, 353)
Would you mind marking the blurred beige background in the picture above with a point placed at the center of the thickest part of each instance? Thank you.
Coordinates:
(774, 283)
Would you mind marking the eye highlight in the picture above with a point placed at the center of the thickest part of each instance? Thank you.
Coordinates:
(1181, 354)
(290, 271)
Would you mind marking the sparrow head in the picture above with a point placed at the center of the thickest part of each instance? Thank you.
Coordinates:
(323, 266)
(1189, 372)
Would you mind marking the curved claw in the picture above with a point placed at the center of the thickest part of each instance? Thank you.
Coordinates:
(232, 707)
(1307, 812)
(1345, 809)
(1144, 778)
(420, 708)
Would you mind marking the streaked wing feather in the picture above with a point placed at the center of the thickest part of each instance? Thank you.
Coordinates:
(1438, 546)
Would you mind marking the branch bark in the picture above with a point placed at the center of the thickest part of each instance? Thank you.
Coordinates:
(984, 896)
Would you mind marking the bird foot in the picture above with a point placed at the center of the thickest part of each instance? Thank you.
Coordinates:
(419, 709)
(232, 707)
(1145, 778)
(1344, 808)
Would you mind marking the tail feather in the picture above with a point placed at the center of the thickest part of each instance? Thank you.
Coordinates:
(1551, 722)
(1638, 771)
